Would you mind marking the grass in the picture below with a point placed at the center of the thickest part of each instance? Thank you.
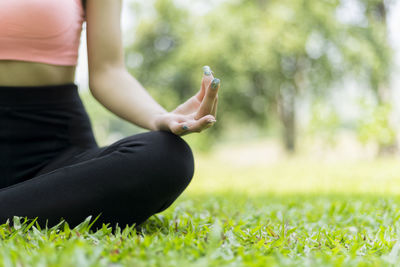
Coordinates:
(292, 212)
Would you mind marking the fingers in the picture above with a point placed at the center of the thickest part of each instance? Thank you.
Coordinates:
(182, 128)
(206, 101)
(179, 128)
(205, 82)
(207, 104)
(202, 124)
(214, 108)
(208, 77)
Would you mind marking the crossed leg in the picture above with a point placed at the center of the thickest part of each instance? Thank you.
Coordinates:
(127, 182)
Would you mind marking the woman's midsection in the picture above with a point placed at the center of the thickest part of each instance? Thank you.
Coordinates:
(23, 73)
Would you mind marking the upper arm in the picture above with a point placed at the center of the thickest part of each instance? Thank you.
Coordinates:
(104, 38)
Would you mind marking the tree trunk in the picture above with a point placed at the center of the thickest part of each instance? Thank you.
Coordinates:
(287, 114)
(384, 97)
(384, 92)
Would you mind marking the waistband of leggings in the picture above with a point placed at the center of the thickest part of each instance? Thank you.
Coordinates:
(39, 95)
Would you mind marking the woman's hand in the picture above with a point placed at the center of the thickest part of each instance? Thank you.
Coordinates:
(197, 113)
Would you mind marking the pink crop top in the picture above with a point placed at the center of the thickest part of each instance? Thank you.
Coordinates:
(46, 31)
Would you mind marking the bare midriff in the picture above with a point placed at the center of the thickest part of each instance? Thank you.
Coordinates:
(24, 73)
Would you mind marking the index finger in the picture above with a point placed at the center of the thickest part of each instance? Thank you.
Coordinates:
(207, 104)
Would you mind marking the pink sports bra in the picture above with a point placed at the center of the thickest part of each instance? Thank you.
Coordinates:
(46, 31)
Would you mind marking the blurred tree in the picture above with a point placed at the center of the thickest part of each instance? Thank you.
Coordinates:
(266, 53)
(375, 127)
(379, 78)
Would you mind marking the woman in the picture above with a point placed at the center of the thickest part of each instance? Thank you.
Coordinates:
(50, 164)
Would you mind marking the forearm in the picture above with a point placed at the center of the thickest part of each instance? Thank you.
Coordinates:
(123, 95)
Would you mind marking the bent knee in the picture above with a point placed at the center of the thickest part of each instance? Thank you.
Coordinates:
(175, 158)
(167, 157)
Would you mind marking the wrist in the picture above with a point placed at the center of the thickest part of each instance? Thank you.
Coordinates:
(160, 122)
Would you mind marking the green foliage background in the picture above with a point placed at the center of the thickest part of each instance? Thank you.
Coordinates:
(268, 54)
(272, 57)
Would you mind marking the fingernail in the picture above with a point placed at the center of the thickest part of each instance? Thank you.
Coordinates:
(215, 83)
(184, 127)
(211, 121)
(207, 70)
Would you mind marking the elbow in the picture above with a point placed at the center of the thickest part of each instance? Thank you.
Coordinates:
(96, 80)
(92, 80)
(95, 85)
(104, 77)
(92, 85)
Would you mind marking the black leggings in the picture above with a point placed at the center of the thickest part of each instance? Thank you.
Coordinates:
(52, 168)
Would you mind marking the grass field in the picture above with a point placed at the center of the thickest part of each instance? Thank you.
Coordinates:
(292, 212)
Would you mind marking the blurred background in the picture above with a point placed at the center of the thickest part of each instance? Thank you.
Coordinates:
(309, 89)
